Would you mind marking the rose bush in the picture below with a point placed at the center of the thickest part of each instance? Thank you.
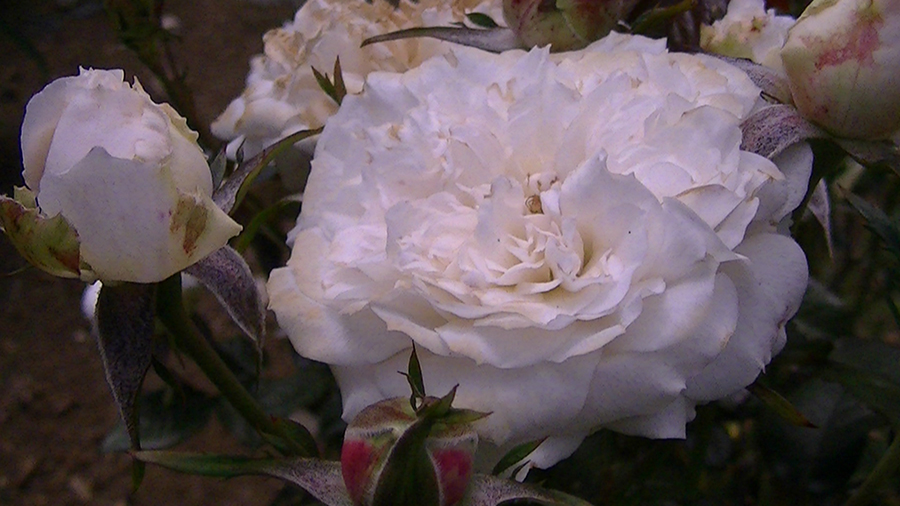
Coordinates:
(282, 95)
(843, 61)
(577, 240)
(748, 31)
(125, 173)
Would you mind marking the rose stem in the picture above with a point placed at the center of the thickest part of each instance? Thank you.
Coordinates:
(885, 468)
(170, 310)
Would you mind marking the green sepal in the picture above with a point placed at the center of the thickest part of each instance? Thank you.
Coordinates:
(336, 89)
(408, 477)
(50, 244)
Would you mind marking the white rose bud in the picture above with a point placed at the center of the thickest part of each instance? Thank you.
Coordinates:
(843, 61)
(125, 173)
(375, 450)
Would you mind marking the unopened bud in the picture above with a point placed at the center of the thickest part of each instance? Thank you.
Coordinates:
(564, 24)
(843, 61)
(393, 456)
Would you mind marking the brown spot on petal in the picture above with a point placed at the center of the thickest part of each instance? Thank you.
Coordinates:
(192, 217)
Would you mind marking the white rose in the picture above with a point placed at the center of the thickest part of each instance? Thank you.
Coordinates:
(748, 31)
(576, 240)
(126, 173)
(282, 95)
(843, 61)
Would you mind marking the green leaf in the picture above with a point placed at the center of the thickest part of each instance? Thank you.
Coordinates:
(225, 273)
(217, 466)
(872, 153)
(166, 419)
(217, 168)
(232, 192)
(494, 40)
(298, 436)
(491, 491)
(320, 478)
(125, 323)
(50, 244)
(481, 20)
(264, 217)
(323, 479)
(823, 459)
(779, 405)
(879, 223)
(823, 316)
(280, 397)
(870, 371)
(516, 455)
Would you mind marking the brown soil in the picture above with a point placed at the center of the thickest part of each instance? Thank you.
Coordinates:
(55, 407)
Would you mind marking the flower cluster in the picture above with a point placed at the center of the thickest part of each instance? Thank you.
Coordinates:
(282, 95)
(577, 240)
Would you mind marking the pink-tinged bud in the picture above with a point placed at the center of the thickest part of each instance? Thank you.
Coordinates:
(843, 61)
(380, 445)
(564, 24)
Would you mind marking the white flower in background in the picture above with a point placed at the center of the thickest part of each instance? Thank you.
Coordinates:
(748, 31)
(843, 61)
(126, 173)
(575, 239)
(282, 95)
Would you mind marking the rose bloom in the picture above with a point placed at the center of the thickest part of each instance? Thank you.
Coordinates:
(126, 173)
(577, 240)
(748, 31)
(282, 95)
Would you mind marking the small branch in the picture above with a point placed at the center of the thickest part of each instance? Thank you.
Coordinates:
(171, 311)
